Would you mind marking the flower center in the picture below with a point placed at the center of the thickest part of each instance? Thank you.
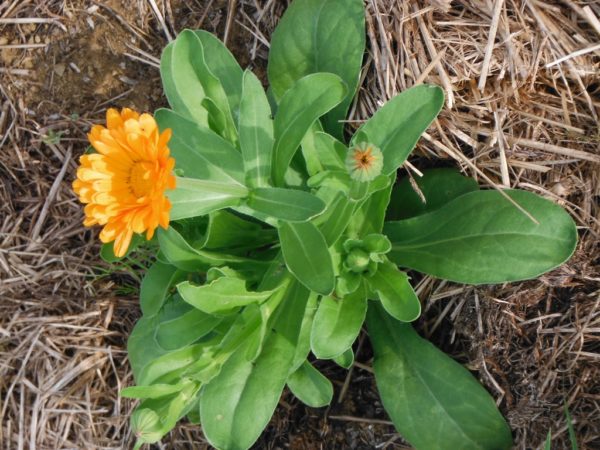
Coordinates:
(363, 158)
(141, 180)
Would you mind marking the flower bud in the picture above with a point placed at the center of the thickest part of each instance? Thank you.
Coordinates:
(357, 260)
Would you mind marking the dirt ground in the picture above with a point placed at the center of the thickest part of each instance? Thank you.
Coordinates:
(523, 98)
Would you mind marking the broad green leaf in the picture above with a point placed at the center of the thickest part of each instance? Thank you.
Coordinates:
(438, 186)
(221, 296)
(303, 346)
(185, 257)
(337, 324)
(185, 329)
(223, 65)
(237, 404)
(433, 401)
(370, 216)
(181, 85)
(310, 386)
(256, 132)
(169, 362)
(398, 125)
(241, 330)
(188, 53)
(481, 237)
(319, 36)
(322, 152)
(292, 205)
(152, 391)
(141, 345)
(306, 256)
(156, 285)
(193, 197)
(336, 217)
(199, 152)
(155, 417)
(346, 359)
(227, 230)
(309, 98)
(395, 292)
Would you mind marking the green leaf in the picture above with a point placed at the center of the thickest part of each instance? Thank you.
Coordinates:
(237, 404)
(256, 132)
(185, 329)
(572, 436)
(395, 292)
(481, 237)
(193, 197)
(181, 85)
(141, 345)
(196, 83)
(227, 230)
(221, 296)
(310, 386)
(322, 152)
(183, 256)
(548, 443)
(223, 65)
(307, 257)
(153, 391)
(433, 401)
(303, 346)
(309, 98)
(169, 362)
(397, 126)
(370, 217)
(155, 417)
(338, 215)
(337, 324)
(346, 359)
(319, 36)
(156, 285)
(438, 186)
(292, 205)
(199, 152)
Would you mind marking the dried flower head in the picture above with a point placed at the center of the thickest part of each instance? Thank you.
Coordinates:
(364, 162)
(123, 184)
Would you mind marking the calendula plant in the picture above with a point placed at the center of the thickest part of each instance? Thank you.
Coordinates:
(276, 238)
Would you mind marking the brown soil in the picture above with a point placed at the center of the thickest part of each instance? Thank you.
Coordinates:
(64, 318)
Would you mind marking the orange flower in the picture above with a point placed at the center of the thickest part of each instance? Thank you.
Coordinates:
(364, 162)
(123, 185)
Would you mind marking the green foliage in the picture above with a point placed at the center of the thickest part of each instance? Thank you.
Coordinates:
(310, 386)
(337, 324)
(436, 188)
(307, 99)
(319, 36)
(481, 237)
(397, 126)
(307, 257)
(433, 401)
(275, 249)
(256, 132)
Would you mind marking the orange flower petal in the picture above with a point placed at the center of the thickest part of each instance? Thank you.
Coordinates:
(123, 185)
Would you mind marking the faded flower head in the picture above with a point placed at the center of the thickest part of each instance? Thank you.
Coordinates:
(364, 162)
(123, 184)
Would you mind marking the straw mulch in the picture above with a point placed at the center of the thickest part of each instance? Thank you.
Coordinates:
(523, 98)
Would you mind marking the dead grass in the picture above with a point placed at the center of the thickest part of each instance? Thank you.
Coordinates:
(523, 96)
